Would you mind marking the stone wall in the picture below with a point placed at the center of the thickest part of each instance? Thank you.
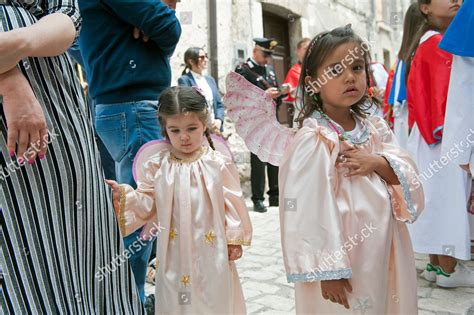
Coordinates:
(241, 155)
(238, 21)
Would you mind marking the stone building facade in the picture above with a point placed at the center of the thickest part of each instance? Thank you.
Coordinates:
(236, 22)
(225, 29)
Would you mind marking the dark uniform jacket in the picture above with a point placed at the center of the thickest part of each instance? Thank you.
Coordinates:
(262, 76)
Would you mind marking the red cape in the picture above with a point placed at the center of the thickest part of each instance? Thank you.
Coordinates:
(387, 109)
(427, 89)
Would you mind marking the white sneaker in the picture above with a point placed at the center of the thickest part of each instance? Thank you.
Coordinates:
(461, 277)
(430, 272)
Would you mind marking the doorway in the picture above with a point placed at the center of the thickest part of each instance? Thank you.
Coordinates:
(276, 27)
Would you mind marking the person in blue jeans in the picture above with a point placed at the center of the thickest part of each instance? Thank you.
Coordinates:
(108, 164)
(126, 75)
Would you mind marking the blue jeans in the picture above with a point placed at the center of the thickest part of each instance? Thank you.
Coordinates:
(138, 259)
(108, 164)
(124, 128)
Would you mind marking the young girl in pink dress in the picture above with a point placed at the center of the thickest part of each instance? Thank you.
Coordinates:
(189, 196)
(346, 187)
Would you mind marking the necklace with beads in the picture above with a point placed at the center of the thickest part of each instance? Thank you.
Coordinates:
(357, 139)
(342, 135)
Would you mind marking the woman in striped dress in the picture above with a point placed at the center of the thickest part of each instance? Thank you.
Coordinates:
(60, 244)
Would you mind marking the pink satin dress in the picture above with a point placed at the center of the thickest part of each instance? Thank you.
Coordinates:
(195, 208)
(336, 227)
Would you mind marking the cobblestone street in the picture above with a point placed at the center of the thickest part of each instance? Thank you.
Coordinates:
(267, 291)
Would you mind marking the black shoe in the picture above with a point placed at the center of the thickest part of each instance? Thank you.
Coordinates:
(150, 304)
(258, 206)
(274, 202)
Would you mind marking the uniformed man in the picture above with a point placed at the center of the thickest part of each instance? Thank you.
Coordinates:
(257, 70)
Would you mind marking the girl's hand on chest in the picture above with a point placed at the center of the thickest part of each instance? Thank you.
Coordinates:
(358, 162)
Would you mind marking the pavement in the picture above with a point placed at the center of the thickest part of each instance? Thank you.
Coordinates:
(267, 292)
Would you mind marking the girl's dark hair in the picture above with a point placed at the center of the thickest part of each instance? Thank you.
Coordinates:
(414, 20)
(183, 99)
(424, 27)
(191, 54)
(318, 51)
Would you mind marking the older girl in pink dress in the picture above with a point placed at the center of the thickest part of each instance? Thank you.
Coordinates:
(346, 187)
(189, 196)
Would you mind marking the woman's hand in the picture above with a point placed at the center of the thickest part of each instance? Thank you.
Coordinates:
(235, 251)
(116, 194)
(26, 123)
(335, 290)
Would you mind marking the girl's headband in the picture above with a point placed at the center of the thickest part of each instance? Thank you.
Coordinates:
(317, 38)
(311, 45)
(313, 42)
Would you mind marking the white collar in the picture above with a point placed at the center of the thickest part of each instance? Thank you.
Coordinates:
(427, 36)
(253, 60)
(196, 75)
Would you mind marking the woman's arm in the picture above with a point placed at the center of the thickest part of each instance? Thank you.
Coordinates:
(50, 36)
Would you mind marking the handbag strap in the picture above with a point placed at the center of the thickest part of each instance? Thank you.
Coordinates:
(257, 76)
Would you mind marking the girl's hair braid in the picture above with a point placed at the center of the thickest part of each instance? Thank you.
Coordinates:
(209, 139)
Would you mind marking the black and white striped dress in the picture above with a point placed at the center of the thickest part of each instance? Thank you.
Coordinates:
(58, 227)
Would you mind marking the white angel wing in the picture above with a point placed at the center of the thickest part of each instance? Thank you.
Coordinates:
(254, 115)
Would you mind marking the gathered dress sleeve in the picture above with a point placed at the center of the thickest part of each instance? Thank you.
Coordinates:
(137, 206)
(407, 198)
(237, 221)
(311, 222)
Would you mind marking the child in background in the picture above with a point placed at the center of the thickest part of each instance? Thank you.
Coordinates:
(346, 187)
(293, 75)
(459, 120)
(397, 95)
(443, 229)
(191, 195)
